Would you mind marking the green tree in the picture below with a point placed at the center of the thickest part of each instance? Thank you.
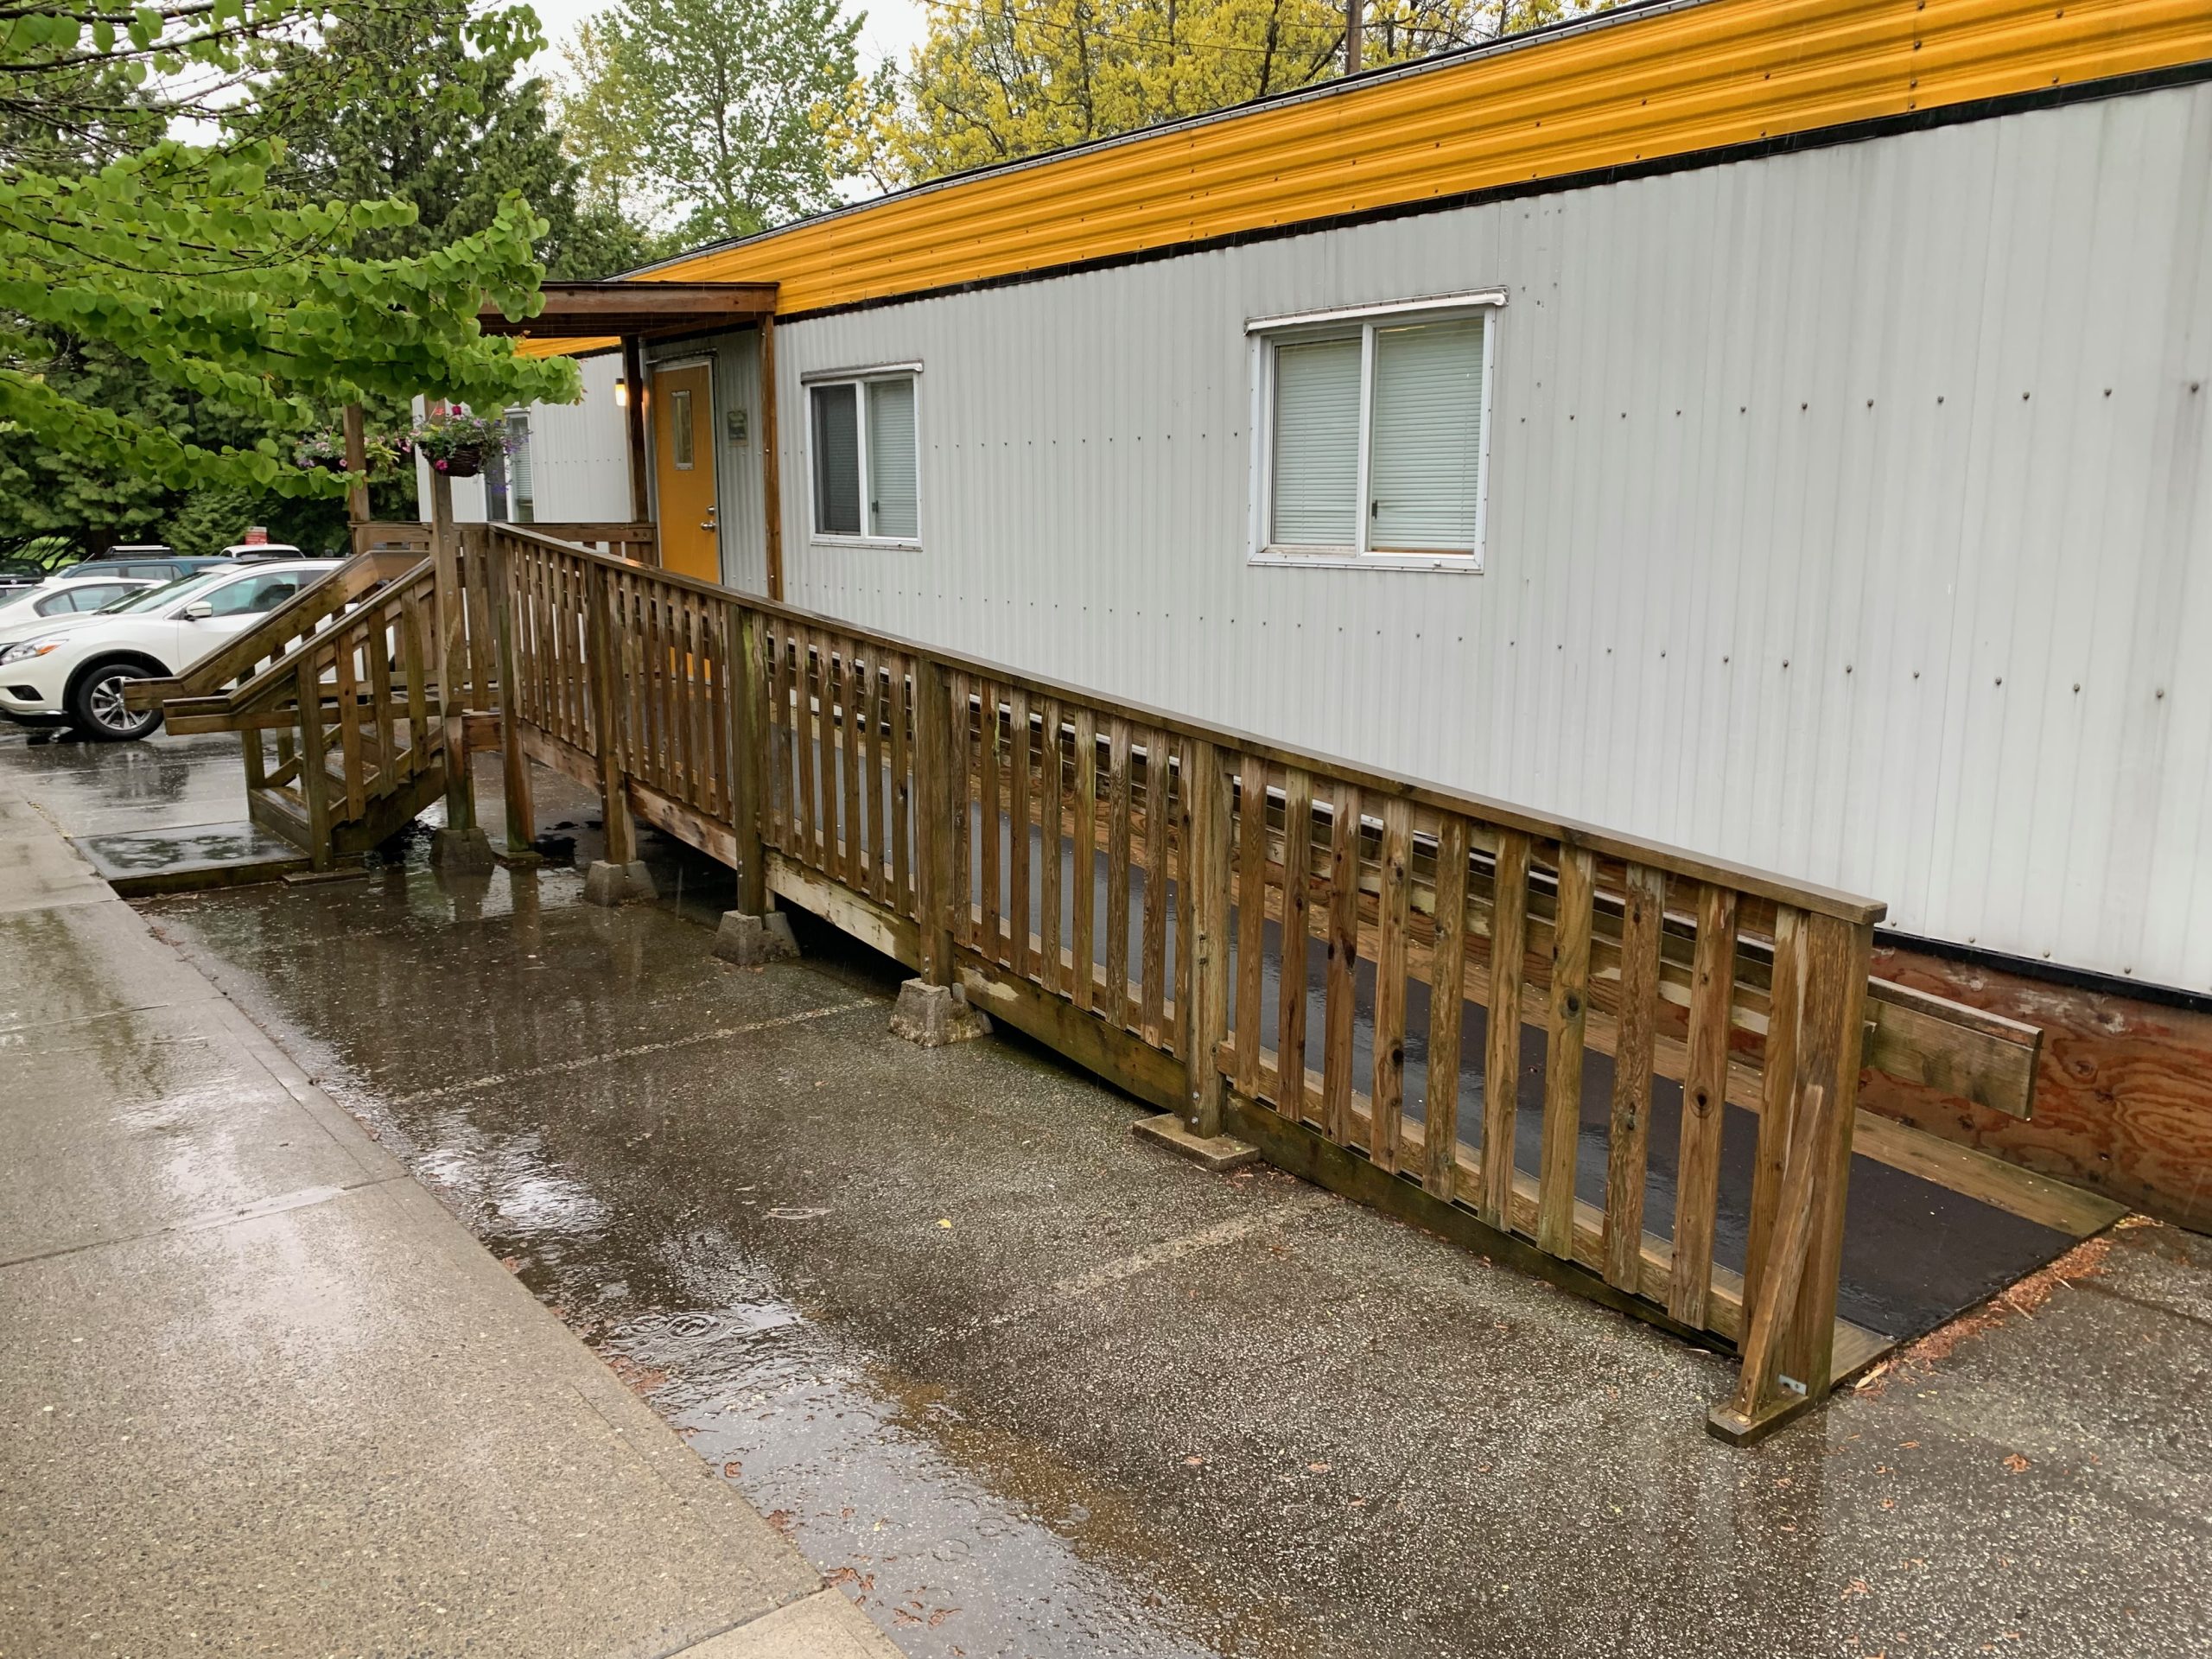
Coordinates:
(192, 263)
(999, 79)
(720, 116)
(403, 102)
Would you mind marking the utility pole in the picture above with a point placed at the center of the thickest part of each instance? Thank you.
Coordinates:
(1352, 10)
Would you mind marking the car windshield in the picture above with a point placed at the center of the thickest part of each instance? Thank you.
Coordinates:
(154, 598)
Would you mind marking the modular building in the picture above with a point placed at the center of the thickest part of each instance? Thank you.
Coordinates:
(1777, 428)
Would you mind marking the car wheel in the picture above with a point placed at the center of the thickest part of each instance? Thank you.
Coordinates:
(97, 703)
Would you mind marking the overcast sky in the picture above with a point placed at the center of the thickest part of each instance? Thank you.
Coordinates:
(892, 26)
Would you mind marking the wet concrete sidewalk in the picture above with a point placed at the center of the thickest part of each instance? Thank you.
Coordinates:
(260, 1392)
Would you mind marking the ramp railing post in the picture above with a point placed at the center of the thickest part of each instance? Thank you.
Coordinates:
(1787, 1342)
(1206, 868)
(937, 800)
(462, 845)
(748, 768)
(521, 808)
(619, 875)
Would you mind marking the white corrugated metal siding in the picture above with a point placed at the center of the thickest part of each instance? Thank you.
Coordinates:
(1850, 514)
(579, 462)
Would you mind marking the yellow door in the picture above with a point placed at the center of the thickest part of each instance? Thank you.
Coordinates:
(683, 463)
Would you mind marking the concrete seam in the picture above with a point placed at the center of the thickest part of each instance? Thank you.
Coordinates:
(305, 1198)
(2145, 1303)
(726, 1629)
(499, 1079)
(1138, 1262)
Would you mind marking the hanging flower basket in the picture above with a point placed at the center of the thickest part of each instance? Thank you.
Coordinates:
(455, 442)
(323, 450)
(386, 452)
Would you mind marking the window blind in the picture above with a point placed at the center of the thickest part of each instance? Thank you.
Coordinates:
(1424, 464)
(891, 459)
(836, 461)
(1317, 443)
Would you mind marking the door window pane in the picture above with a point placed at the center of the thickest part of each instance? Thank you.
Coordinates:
(1317, 443)
(890, 509)
(522, 493)
(680, 441)
(1424, 465)
(836, 460)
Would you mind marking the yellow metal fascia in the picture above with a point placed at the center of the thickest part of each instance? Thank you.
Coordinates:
(1674, 83)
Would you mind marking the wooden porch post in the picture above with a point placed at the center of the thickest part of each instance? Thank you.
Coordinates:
(1206, 869)
(937, 801)
(634, 426)
(357, 461)
(772, 491)
(748, 769)
(619, 876)
(522, 813)
(462, 844)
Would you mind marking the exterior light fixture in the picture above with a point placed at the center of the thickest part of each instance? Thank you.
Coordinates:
(621, 393)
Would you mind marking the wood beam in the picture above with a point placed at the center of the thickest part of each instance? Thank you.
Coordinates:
(634, 426)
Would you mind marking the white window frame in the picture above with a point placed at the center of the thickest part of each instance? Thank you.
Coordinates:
(1265, 334)
(859, 379)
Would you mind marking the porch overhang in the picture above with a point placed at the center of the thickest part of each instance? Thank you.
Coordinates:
(602, 312)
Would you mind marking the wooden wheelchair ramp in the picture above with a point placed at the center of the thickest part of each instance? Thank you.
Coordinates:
(1673, 1129)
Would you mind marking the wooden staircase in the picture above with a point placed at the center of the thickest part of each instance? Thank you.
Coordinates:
(339, 700)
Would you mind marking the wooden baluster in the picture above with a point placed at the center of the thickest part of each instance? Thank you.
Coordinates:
(606, 670)
(476, 616)
(1152, 988)
(941, 795)
(718, 626)
(852, 870)
(1777, 1091)
(782, 751)
(808, 842)
(1184, 897)
(958, 774)
(1642, 916)
(1705, 1108)
(1049, 819)
(1121, 1007)
(1297, 941)
(1084, 860)
(1386, 1099)
(859, 875)
(451, 658)
(1447, 1007)
(900, 693)
(991, 748)
(515, 781)
(1509, 939)
(416, 634)
(1205, 876)
(1343, 962)
(1018, 804)
(1568, 1012)
(1251, 917)
(750, 745)
(314, 774)
(349, 724)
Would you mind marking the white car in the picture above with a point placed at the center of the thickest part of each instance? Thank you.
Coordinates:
(71, 670)
(21, 611)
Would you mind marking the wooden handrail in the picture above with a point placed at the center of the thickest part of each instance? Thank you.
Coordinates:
(273, 634)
